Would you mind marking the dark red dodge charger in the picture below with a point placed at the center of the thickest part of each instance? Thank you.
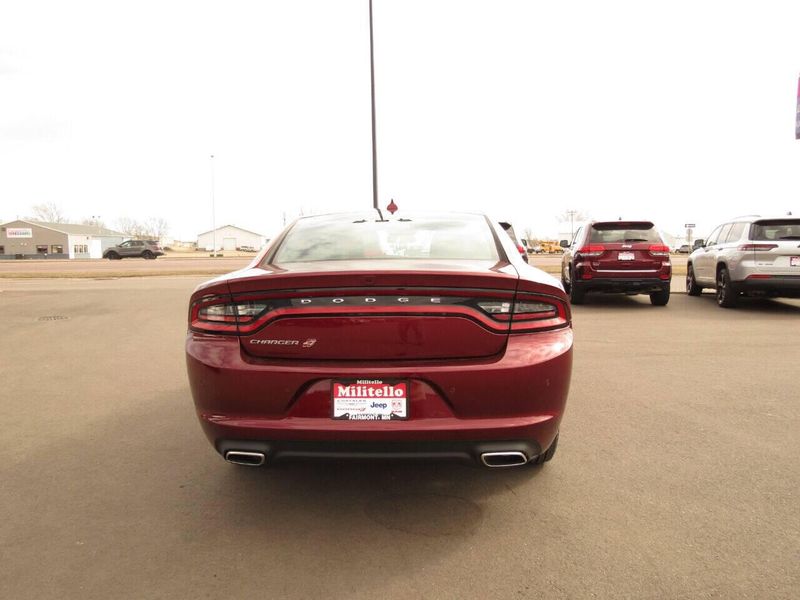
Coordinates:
(364, 336)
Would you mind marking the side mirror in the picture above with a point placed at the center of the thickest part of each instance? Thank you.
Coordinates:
(564, 243)
(698, 243)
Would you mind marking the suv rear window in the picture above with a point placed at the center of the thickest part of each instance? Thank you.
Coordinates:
(365, 237)
(617, 232)
(779, 229)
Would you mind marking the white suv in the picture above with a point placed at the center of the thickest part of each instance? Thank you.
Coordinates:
(753, 255)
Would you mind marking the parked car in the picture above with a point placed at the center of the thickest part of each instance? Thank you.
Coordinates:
(134, 248)
(751, 256)
(683, 249)
(357, 335)
(617, 257)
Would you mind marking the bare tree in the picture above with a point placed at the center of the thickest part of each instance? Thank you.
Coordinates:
(152, 227)
(155, 227)
(48, 212)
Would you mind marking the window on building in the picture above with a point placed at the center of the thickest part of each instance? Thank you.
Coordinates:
(56, 249)
(80, 249)
(2, 249)
(41, 249)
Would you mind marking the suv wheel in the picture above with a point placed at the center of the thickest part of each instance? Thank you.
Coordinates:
(564, 281)
(147, 255)
(576, 291)
(113, 256)
(692, 289)
(660, 298)
(726, 294)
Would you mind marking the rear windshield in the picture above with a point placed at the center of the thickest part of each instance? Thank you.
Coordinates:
(327, 238)
(779, 229)
(618, 232)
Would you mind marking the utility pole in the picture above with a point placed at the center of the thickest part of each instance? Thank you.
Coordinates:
(571, 213)
(372, 91)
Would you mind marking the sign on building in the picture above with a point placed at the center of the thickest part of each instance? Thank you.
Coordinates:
(19, 232)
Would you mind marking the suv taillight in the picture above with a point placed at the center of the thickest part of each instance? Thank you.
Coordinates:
(658, 250)
(591, 250)
(756, 247)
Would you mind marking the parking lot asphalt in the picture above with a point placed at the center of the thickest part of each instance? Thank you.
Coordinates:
(676, 474)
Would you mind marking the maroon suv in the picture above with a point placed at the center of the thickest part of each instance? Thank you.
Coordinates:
(360, 336)
(626, 257)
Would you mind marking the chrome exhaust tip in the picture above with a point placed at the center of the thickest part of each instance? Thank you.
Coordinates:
(248, 459)
(504, 459)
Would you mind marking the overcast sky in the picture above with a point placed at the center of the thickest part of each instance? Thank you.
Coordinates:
(677, 111)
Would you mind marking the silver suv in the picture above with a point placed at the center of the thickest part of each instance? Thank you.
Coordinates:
(754, 256)
(134, 248)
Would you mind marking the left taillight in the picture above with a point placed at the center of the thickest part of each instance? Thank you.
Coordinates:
(218, 314)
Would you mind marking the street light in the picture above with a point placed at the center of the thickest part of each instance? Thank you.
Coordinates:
(213, 213)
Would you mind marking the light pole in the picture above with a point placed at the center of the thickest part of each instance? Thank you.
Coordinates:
(213, 213)
(372, 91)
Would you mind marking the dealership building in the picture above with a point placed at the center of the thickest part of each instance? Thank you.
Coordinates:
(37, 239)
(230, 237)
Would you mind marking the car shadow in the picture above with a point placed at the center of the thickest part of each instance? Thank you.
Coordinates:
(755, 305)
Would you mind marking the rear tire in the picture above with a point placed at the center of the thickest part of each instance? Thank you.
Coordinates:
(547, 455)
(576, 292)
(692, 289)
(113, 256)
(727, 295)
(660, 298)
(147, 255)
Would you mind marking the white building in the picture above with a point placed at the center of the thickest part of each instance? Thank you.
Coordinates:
(230, 237)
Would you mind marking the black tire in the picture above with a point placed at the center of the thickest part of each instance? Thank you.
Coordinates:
(113, 256)
(147, 255)
(692, 289)
(564, 281)
(547, 455)
(660, 298)
(727, 294)
(576, 291)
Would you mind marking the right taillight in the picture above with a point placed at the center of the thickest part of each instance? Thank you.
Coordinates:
(756, 247)
(529, 312)
(658, 250)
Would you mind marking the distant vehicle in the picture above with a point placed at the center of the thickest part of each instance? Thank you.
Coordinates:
(626, 257)
(518, 242)
(684, 249)
(751, 256)
(550, 247)
(148, 249)
(366, 336)
(247, 249)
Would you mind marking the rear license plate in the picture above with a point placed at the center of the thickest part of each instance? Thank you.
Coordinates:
(794, 261)
(369, 399)
(625, 256)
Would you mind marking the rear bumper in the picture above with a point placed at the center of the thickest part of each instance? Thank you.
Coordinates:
(787, 286)
(282, 408)
(461, 451)
(624, 285)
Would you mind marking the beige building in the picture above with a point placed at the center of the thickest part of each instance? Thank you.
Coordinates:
(37, 239)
